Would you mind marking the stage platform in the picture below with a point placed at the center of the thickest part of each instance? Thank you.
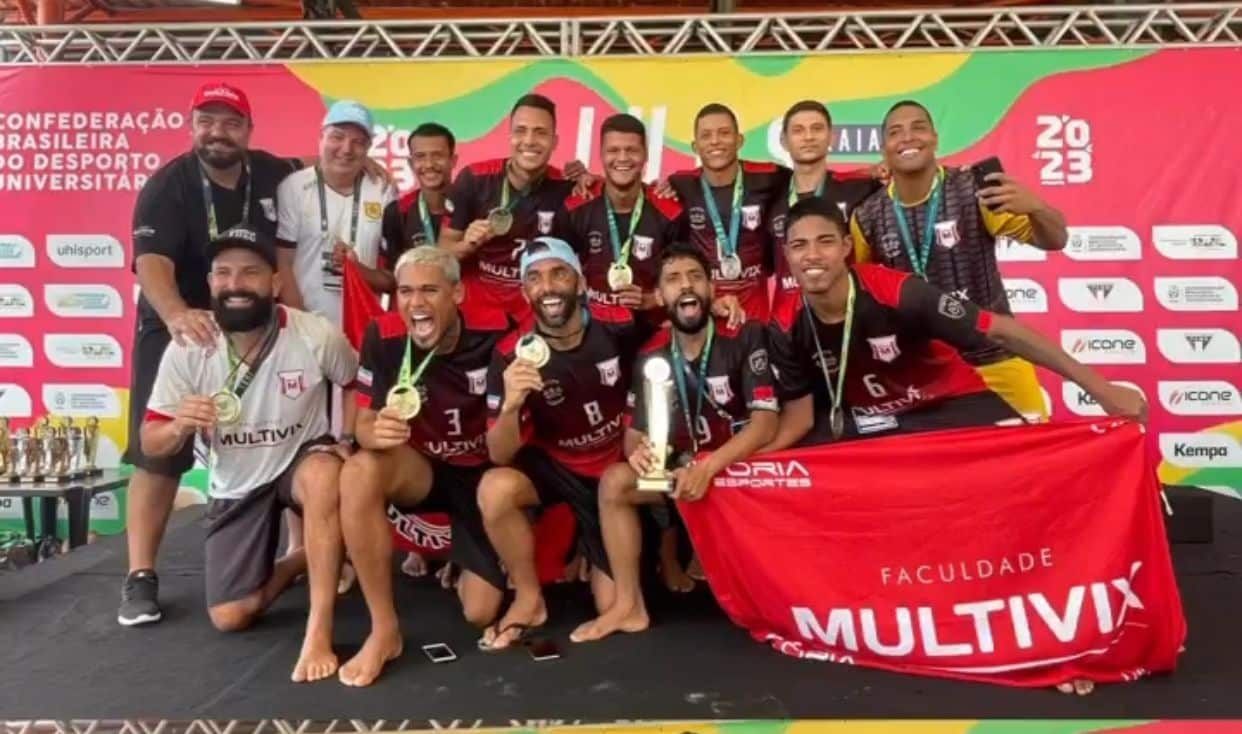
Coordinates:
(64, 657)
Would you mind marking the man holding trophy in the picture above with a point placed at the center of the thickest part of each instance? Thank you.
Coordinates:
(258, 398)
(703, 398)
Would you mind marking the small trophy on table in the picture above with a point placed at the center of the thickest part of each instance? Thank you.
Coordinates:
(90, 447)
(658, 393)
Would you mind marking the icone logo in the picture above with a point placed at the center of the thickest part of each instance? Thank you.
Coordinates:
(15, 351)
(1100, 295)
(1201, 450)
(16, 252)
(82, 350)
(81, 400)
(1203, 293)
(85, 301)
(1080, 402)
(14, 401)
(15, 302)
(1104, 346)
(1201, 397)
(1199, 346)
(1195, 242)
(1103, 243)
(85, 251)
(1010, 250)
(1026, 296)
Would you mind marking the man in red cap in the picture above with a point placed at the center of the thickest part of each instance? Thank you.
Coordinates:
(217, 184)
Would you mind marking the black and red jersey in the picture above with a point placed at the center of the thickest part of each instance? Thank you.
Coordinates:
(761, 182)
(899, 360)
(846, 190)
(738, 381)
(452, 425)
(476, 191)
(577, 417)
(583, 223)
(404, 229)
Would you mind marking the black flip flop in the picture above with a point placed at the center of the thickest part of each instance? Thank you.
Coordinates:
(524, 633)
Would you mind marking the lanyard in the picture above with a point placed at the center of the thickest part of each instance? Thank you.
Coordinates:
(429, 230)
(834, 395)
(680, 367)
(238, 387)
(918, 260)
(209, 204)
(620, 252)
(323, 206)
(793, 189)
(505, 187)
(729, 241)
(403, 377)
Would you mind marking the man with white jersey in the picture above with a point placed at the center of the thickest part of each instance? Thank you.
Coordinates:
(257, 397)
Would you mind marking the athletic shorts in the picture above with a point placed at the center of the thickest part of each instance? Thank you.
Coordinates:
(455, 490)
(150, 340)
(1014, 379)
(243, 534)
(984, 408)
(554, 483)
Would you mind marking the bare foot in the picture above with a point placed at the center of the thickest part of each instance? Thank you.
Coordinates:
(347, 579)
(522, 614)
(414, 565)
(1081, 686)
(630, 619)
(363, 668)
(676, 579)
(695, 570)
(316, 661)
(447, 577)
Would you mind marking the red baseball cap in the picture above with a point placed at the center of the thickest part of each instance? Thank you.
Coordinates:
(221, 93)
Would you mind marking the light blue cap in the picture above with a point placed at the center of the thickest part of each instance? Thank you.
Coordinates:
(549, 248)
(349, 112)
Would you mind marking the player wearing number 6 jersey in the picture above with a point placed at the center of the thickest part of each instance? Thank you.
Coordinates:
(421, 425)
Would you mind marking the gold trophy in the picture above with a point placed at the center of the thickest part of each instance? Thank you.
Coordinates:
(56, 452)
(6, 448)
(658, 393)
(73, 436)
(90, 447)
(28, 461)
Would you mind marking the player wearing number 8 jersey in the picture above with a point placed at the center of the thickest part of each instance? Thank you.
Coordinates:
(937, 223)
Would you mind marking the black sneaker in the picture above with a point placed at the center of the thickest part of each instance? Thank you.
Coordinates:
(139, 598)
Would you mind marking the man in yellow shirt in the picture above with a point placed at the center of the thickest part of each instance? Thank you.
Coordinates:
(939, 224)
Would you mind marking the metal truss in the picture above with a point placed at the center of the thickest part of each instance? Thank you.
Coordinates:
(964, 29)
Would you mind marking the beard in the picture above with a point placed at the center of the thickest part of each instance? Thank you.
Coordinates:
(570, 299)
(691, 324)
(219, 159)
(248, 318)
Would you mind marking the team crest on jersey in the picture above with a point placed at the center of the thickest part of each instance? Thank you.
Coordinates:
(890, 245)
(545, 222)
(947, 234)
(778, 225)
(609, 371)
(596, 241)
(372, 209)
(477, 381)
(759, 361)
(553, 393)
(269, 209)
(642, 246)
(292, 383)
(750, 217)
(721, 392)
(698, 217)
(950, 307)
(884, 348)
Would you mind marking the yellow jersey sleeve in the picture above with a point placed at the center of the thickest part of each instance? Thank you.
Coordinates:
(862, 250)
(1017, 226)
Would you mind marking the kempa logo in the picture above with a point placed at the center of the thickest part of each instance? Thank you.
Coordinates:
(1104, 346)
(1202, 397)
(85, 251)
(1199, 346)
(1204, 293)
(82, 350)
(1201, 450)
(16, 252)
(14, 401)
(1195, 242)
(15, 302)
(1100, 295)
(15, 351)
(1103, 243)
(1026, 296)
(81, 400)
(1080, 402)
(1010, 250)
(86, 300)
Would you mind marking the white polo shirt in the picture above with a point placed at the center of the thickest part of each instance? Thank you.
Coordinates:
(284, 407)
(299, 222)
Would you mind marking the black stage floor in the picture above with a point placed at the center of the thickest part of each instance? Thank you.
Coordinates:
(64, 656)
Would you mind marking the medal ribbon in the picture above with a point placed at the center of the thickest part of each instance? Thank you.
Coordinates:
(834, 395)
(680, 368)
(918, 260)
(793, 189)
(727, 241)
(209, 204)
(621, 252)
(404, 380)
(323, 206)
(505, 186)
(238, 387)
(424, 213)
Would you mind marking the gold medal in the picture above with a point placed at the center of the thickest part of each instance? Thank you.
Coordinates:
(405, 400)
(533, 349)
(836, 419)
(228, 407)
(500, 220)
(620, 275)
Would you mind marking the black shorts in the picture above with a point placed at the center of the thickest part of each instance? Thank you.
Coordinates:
(554, 483)
(150, 341)
(984, 408)
(455, 490)
(243, 534)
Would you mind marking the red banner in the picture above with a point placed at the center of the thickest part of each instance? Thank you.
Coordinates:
(1027, 556)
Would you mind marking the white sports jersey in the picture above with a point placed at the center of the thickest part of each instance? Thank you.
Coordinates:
(284, 407)
(299, 222)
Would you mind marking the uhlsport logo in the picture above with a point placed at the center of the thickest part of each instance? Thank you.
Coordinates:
(1100, 295)
(16, 252)
(15, 302)
(15, 351)
(1080, 402)
(1104, 346)
(1201, 293)
(14, 400)
(1103, 243)
(85, 251)
(1195, 242)
(1206, 450)
(95, 300)
(1199, 346)
(1026, 296)
(1200, 397)
(82, 350)
(81, 400)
